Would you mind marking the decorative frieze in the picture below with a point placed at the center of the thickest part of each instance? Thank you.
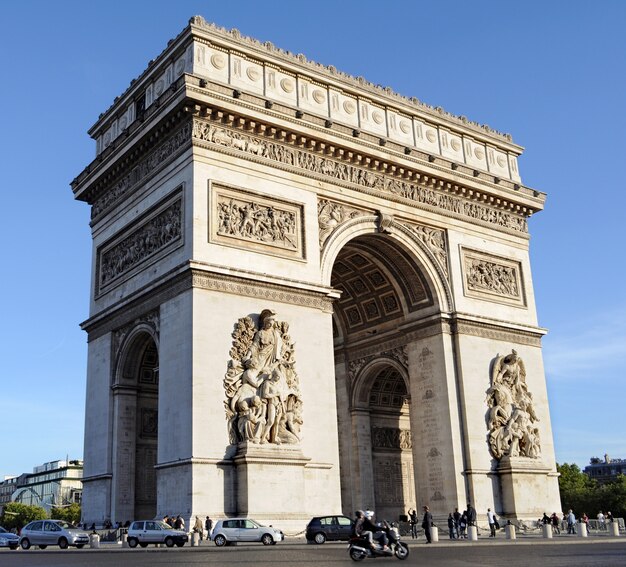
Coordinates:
(156, 159)
(251, 221)
(161, 232)
(391, 438)
(344, 173)
(493, 278)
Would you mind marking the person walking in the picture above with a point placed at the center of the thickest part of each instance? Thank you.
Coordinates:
(471, 515)
(451, 526)
(427, 522)
(491, 518)
(571, 522)
(198, 527)
(555, 523)
(208, 526)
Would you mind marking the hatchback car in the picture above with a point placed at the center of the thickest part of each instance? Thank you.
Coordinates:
(331, 528)
(52, 532)
(7, 539)
(144, 532)
(245, 529)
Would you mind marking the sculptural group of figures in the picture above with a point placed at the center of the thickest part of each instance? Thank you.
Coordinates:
(511, 418)
(257, 222)
(263, 403)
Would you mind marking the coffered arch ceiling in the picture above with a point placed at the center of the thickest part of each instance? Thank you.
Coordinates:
(380, 284)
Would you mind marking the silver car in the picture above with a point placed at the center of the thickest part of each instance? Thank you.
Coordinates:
(7, 539)
(244, 529)
(144, 532)
(52, 532)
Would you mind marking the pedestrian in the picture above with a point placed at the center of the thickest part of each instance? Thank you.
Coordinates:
(609, 517)
(413, 522)
(471, 515)
(179, 523)
(208, 526)
(571, 522)
(491, 518)
(427, 522)
(463, 526)
(601, 520)
(555, 523)
(451, 526)
(198, 527)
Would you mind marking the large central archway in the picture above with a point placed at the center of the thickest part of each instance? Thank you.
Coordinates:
(384, 293)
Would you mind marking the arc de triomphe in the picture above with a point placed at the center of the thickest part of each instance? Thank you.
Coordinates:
(309, 295)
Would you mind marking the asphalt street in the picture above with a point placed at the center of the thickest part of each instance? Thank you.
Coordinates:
(559, 552)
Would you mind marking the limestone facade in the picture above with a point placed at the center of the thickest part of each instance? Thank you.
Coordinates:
(389, 241)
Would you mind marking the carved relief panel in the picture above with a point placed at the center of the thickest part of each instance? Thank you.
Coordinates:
(153, 235)
(492, 278)
(250, 221)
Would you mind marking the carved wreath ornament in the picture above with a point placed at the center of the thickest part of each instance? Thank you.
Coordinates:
(511, 419)
(263, 403)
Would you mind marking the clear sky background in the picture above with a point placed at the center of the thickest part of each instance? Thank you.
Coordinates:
(551, 73)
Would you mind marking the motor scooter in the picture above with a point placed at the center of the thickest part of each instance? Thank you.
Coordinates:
(359, 547)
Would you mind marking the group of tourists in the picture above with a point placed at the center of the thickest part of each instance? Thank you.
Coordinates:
(457, 522)
(570, 520)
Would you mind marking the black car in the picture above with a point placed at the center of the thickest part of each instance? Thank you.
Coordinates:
(331, 528)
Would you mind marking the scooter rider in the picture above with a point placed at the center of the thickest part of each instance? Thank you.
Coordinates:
(371, 531)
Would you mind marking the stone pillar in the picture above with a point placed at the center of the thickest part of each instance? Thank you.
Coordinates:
(613, 528)
(124, 539)
(518, 475)
(195, 539)
(94, 541)
(547, 531)
(472, 533)
(434, 534)
(363, 470)
(269, 478)
(510, 531)
(582, 529)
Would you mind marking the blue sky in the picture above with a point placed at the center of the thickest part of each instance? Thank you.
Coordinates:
(551, 73)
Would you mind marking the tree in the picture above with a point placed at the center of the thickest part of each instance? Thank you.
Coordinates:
(17, 515)
(70, 514)
(578, 491)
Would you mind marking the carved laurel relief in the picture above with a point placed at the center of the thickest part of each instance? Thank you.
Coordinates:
(161, 232)
(246, 221)
(263, 403)
(511, 419)
(493, 278)
(349, 174)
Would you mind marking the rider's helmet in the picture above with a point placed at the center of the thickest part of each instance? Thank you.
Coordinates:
(369, 514)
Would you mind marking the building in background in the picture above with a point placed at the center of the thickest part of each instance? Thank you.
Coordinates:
(54, 484)
(605, 470)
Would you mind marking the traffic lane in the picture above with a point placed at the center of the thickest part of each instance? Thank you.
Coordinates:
(480, 554)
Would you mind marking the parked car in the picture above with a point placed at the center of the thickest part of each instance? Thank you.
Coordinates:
(52, 532)
(245, 529)
(144, 532)
(7, 539)
(331, 528)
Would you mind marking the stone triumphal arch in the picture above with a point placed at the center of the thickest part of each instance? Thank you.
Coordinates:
(309, 295)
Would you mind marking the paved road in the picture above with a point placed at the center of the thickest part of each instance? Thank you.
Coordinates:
(557, 553)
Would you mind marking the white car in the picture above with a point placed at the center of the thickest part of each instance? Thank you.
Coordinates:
(245, 529)
(144, 532)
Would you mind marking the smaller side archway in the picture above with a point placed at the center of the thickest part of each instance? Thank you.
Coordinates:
(135, 392)
(382, 453)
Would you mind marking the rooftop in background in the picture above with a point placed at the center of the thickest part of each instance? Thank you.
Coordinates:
(605, 470)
